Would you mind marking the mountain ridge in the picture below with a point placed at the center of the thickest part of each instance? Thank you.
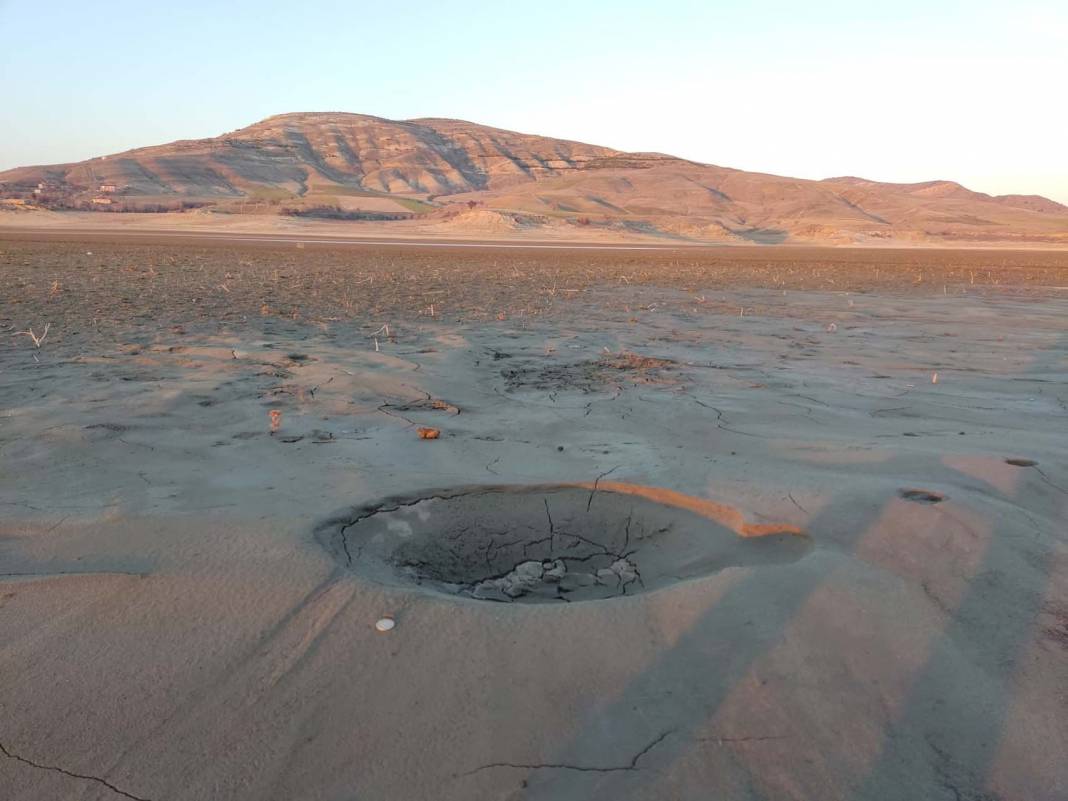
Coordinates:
(362, 166)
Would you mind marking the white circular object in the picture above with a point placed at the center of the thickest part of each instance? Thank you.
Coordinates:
(385, 624)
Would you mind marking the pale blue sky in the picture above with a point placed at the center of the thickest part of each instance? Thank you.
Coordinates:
(904, 91)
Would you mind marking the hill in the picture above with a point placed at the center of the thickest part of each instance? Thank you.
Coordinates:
(353, 166)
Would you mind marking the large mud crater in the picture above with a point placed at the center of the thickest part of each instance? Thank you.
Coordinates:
(550, 543)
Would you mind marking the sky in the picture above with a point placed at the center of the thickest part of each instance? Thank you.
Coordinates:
(906, 91)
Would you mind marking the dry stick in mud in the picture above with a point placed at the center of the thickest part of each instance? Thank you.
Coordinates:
(374, 335)
(37, 340)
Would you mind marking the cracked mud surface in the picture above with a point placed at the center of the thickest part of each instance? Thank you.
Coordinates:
(543, 543)
(171, 628)
(591, 375)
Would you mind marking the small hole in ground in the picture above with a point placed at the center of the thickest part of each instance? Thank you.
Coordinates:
(543, 543)
(921, 496)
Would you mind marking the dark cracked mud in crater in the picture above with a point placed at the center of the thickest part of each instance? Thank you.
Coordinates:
(535, 544)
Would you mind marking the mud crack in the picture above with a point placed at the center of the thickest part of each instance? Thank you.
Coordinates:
(631, 765)
(56, 769)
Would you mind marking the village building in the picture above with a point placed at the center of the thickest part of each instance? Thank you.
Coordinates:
(47, 186)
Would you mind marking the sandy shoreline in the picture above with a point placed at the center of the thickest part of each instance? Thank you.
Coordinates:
(242, 229)
(171, 627)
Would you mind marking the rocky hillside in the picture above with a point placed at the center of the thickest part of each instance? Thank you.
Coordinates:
(354, 166)
(302, 153)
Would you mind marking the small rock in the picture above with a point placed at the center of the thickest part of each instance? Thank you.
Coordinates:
(529, 571)
(428, 433)
(385, 624)
(625, 569)
(621, 571)
(554, 570)
(525, 577)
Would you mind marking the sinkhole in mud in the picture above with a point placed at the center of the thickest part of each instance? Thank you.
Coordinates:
(548, 543)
